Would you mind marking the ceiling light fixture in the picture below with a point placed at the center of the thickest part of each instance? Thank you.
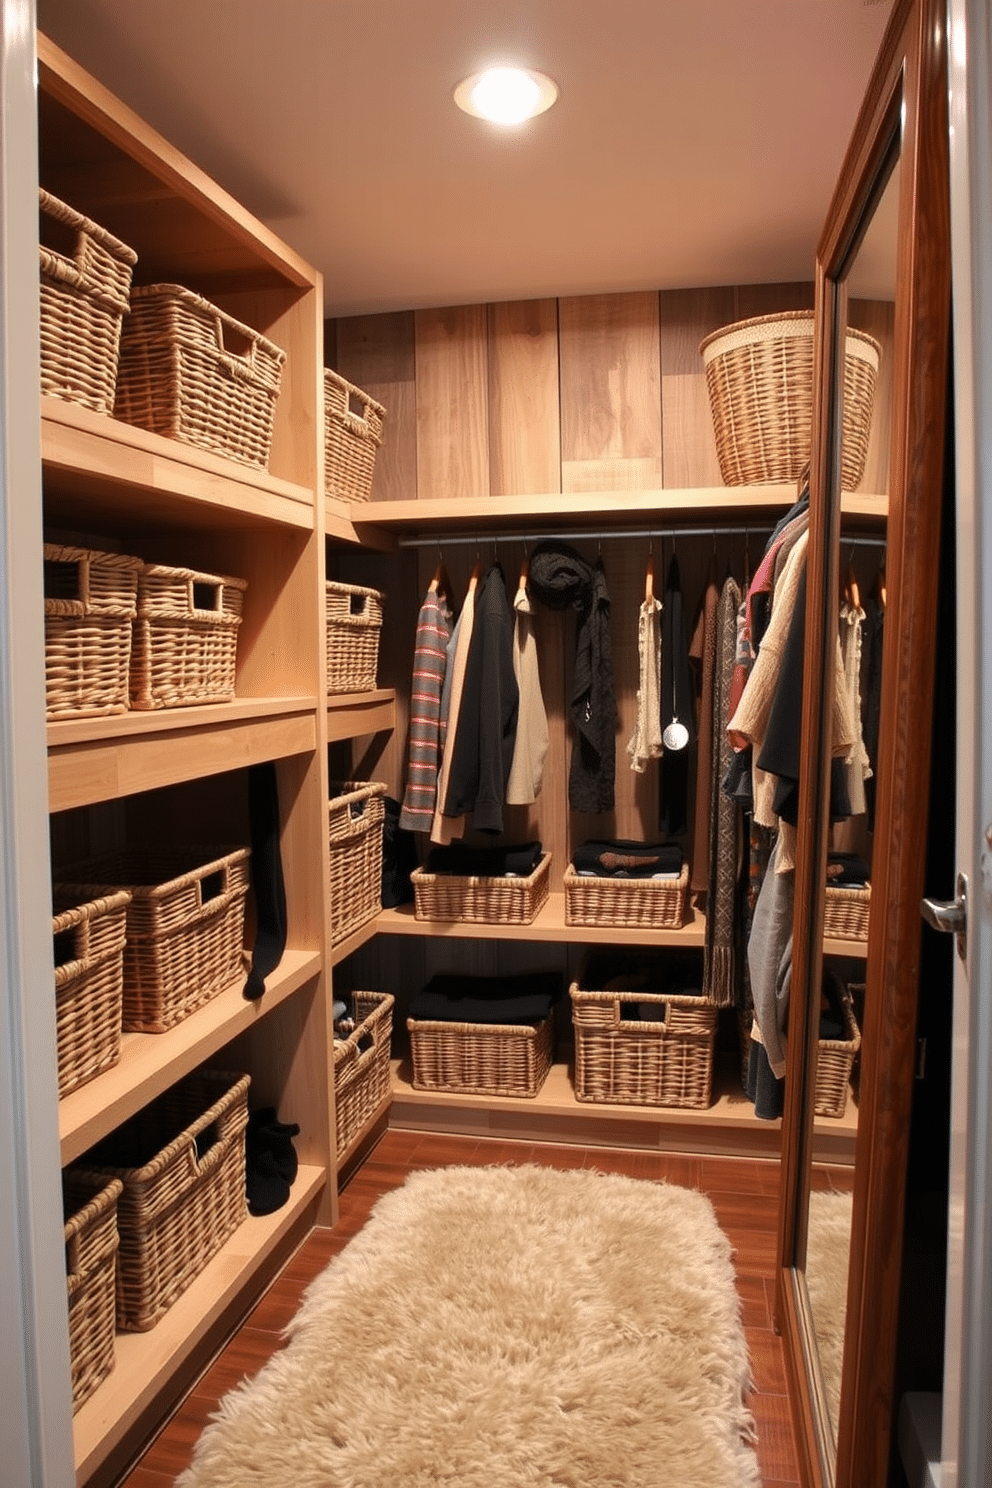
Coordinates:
(506, 95)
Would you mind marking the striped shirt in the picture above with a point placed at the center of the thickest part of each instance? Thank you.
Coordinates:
(426, 738)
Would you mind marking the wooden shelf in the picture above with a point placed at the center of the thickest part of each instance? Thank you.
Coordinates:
(728, 1127)
(104, 759)
(146, 1363)
(548, 924)
(151, 1062)
(352, 714)
(720, 505)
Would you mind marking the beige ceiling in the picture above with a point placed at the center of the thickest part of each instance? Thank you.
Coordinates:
(694, 142)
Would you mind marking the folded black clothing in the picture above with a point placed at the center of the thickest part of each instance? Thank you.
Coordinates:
(516, 1000)
(847, 869)
(619, 857)
(518, 861)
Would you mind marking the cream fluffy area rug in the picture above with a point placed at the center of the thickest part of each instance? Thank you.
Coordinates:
(503, 1327)
(828, 1245)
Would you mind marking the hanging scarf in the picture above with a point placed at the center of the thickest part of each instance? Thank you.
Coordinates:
(719, 974)
(560, 578)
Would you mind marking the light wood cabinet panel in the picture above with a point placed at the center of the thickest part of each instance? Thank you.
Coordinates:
(524, 437)
(376, 353)
(689, 452)
(452, 402)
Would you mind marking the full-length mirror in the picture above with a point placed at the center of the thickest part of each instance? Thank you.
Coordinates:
(867, 670)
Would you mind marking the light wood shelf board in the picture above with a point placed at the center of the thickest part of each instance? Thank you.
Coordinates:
(728, 1127)
(856, 950)
(105, 759)
(151, 1062)
(353, 942)
(146, 1362)
(86, 454)
(352, 714)
(548, 925)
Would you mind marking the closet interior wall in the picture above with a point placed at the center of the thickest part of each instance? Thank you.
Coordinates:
(564, 398)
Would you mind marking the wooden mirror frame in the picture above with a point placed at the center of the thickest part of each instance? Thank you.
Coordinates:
(904, 110)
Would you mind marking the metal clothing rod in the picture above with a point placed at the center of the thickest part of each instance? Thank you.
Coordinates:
(613, 535)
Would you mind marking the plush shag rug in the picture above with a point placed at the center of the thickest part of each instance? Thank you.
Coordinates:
(828, 1245)
(503, 1327)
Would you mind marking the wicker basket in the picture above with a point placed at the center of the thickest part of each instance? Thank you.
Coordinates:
(181, 1161)
(85, 284)
(352, 436)
(354, 622)
(481, 901)
(626, 1060)
(89, 985)
(834, 1063)
(641, 903)
(759, 375)
(361, 1076)
(846, 912)
(185, 643)
(193, 373)
(185, 926)
(355, 820)
(90, 605)
(91, 1243)
(481, 1058)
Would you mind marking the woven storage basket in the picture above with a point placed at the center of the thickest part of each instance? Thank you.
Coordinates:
(193, 373)
(352, 436)
(846, 912)
(354, 623)
(181, 1161)
(361, 1076)
(481, 1058)
(481, 901)
(355, 819)
(90, 605)
(185, 926)
(759, 375)
(85, 284)
(626, 1060)
(185, 638)
(91, 1241)
(641, 903)
(89, 985)
(834, 1063)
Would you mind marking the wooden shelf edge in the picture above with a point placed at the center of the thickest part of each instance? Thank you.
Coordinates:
(135, 725)
(353, 942)
(351, 714)
(151, 1062)
(145, 1362)
(548, 924)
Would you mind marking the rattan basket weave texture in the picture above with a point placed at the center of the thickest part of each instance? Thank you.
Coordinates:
(481, 1058)
(352, 436)
(181, 1161)
(481, 901)
(185, 926)
(90, 605)
(89, 985)
(185, 643)
(355, 818)
(847, 912)
(354, 624)
(192, 372)
(85, 287)
(759, 376)
(623, 1059)
(361, 1075)
(91, 1243)
(638, 903)
(834, 1063)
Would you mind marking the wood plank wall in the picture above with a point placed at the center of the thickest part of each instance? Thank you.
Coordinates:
(584, 394)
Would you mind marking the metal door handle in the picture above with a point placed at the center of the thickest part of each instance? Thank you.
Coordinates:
(950, 915)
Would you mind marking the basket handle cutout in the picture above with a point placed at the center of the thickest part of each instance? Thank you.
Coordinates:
(357, 604)
(662, 1009)
(213, 886)
(72, 1255)
(205, 1140)
(65, 579)
(237, 350)
(357, 408)
(67, 243)
(207, 596)
(356, 809)
(66, 946)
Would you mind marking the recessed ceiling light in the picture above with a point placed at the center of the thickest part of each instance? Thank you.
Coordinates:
(506, 95)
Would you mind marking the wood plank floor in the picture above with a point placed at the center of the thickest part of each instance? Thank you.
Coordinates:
(744, 1193)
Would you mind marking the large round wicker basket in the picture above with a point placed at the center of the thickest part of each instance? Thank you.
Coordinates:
(759, 374)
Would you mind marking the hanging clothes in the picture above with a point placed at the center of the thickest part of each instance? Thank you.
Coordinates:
(560, 578)
(445, 829)
(645, 743)
(532, 738)
(873, 635)
(703, 651)
(678, 720)
(852, 618)
(426, 735)
(723, 817)
(487, 718)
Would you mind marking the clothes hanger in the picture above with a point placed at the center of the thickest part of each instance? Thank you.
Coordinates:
(851, 586)
(524, 570)
(649, 577)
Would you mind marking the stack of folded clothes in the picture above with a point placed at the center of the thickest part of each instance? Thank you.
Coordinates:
(527, 998)
(847, 871)
(622, 859)
(485, 862)
(664, 974)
